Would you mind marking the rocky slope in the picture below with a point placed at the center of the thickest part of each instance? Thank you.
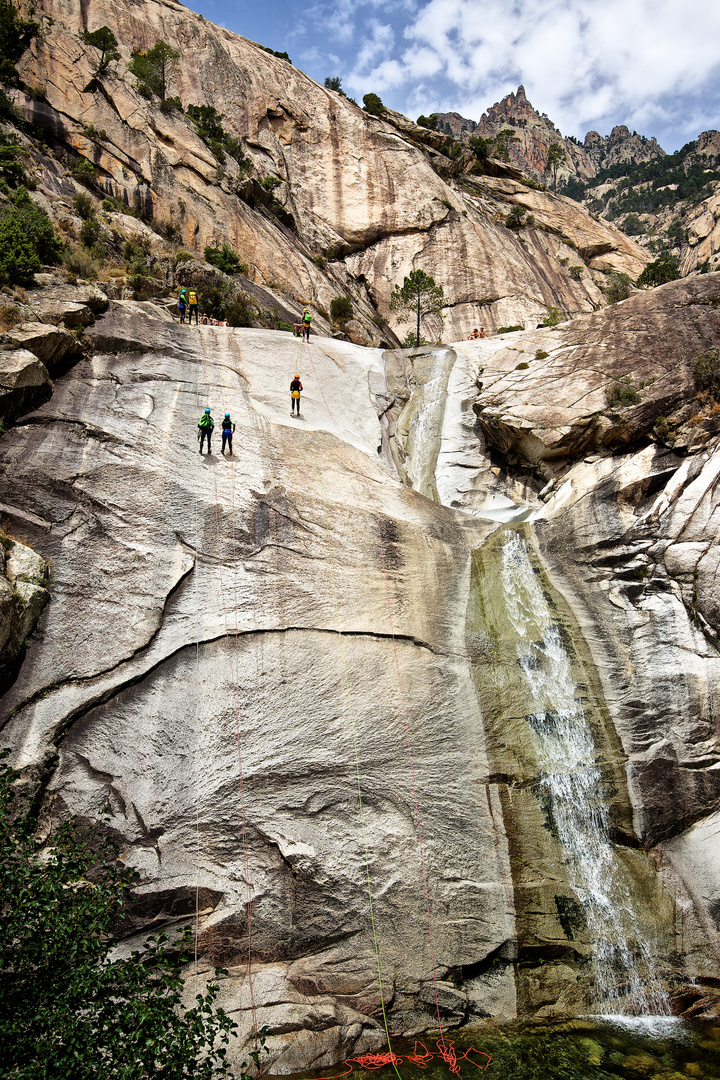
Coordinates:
(236, 647)
(534, 132)
(358, 201)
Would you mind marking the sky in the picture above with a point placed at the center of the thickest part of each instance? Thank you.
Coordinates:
(589, 64)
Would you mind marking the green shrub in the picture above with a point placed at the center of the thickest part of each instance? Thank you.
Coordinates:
(90, 232)
(706, 370)
(409, 341)
(136, 248)
(517, 218)
(446, 202)
(319, 261)
(373, 105)
(18, 255)
(618, 287)
(166, 228)
(665, 268)
(522, 366)
(27, 239)
(271, 182)
(622, 394)
(84, 172)
(104, 40)
(552, 316)
(79, 264)
(341, 308)
(15, 36)
(84, 205)
(280, 325)
(11, 154)
(541, 354)
(510, 329)
(633, 226)
(226, 260)
(108, 205)
(576, 272)
(661, 427)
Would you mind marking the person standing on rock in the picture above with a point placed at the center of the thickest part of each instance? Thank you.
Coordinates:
(306, 320)
(182, 304)
(193, 304)
(227, 432)
(205, 430)
(295, 388)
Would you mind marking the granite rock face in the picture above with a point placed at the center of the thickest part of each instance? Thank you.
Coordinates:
(279, 667)
(359, 201)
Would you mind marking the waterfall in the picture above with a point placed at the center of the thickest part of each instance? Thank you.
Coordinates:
(570, 789)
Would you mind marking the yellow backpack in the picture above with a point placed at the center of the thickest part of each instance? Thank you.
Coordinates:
(192, 298)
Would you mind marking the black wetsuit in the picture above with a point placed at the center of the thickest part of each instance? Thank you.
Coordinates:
(295, 385)
(227, 433)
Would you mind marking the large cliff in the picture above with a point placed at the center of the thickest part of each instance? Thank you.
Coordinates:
(322, 671)
(358, 200)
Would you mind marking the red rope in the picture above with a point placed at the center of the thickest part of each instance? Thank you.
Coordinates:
(421, 1058)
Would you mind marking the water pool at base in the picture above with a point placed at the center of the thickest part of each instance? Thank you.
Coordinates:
(608, 1048)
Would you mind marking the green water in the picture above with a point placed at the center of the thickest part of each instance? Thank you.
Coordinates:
(627, 1049)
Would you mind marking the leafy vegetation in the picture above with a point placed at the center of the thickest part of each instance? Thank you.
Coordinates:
(518, 218)
(617, 287)
(429, 122)
(666, 268)
(27, 239)
(373, 105)
(208, 122)
(510, 329)
(420, 295)
(226, 260)
(411, 341)
(273, 52)
(341, 308)
(334, 82)
(622, 394)
(555, 157)
(84, 171)
(15, 37)
(552, 316)
(104, 40)
(11, 160)
(154, 69)
(706, 371)
(651, 185)
(68, 1010)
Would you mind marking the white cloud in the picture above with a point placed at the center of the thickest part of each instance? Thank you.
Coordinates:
(587, 63)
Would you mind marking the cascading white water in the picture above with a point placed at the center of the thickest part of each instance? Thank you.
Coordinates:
(571, 791)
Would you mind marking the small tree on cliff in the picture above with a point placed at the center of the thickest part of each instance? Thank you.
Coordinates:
(104, 40)
(66, 1009)
(154, 68)
(419, 294)
(555, 157)
(502, 143)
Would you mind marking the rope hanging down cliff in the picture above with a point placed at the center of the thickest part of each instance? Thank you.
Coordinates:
(403, 704)
(235, 681)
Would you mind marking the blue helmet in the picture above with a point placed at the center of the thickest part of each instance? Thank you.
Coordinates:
(227, 414)
(207, 410)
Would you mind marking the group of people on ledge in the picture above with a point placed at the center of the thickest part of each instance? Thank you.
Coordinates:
(189, 305)
(477, 334)
(206, 424)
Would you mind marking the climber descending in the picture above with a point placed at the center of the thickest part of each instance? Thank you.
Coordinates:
(306, 320)
(295, 388)
(227, 432)
(205, 430)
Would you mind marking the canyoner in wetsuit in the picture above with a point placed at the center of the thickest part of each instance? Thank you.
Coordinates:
(182, 304)
(306, 320)
(227, 432)
(205, 429)
(295, 388)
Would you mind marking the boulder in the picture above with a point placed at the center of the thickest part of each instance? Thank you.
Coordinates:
(24, 383)
(55, 346)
